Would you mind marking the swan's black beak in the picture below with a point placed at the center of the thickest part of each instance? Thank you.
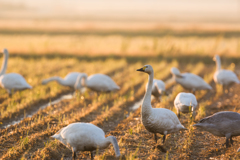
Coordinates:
(141, 70)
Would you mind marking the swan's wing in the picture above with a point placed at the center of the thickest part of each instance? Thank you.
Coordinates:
(195, 81)
(221, 116)
(71, 78)
(101, 82)
(226, 77)
(14, 80)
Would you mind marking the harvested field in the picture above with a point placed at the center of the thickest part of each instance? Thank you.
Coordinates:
(117, 55)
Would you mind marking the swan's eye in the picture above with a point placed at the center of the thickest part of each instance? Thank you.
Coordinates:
(146, 66)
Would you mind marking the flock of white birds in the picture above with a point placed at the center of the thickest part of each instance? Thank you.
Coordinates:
(88, 137)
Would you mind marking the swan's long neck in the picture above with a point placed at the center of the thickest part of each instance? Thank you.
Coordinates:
(106, 141)
(58, 79)
(146, 105)
(81, 81)
(4, 65)
(218, 64)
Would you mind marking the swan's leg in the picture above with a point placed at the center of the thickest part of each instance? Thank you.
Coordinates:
(73, 154)
(228, 136)
(91, 155)
(231, 140)
(193, 91)
(155, 137)
(178, 113)
(164, 137)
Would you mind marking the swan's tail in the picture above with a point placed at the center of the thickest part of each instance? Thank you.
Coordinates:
(56, 136)
(197, 125)
(117, 87)
(181, 127)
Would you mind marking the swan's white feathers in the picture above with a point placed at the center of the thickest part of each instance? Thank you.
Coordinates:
(71, 78)
(222, 76)
(192, 81)
(162, 121)
(85, 137)
(157, 120)
(225, 77)
(184, 100)
(85, 133)
(101, 83)
(14, 81)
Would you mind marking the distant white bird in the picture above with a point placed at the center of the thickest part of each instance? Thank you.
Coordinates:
(189, 81)
(11, 81)
(69, 80)
(221, 124)
(85, 137)
(158, 88)
(157, 120)
(96, 82)
(183, 101)
(222, 76)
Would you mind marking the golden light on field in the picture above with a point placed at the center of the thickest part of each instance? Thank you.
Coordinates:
(53, 38)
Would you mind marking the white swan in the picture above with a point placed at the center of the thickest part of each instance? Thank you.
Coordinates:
(222, 76)
(157, 120)
(11, 81)
(69, 80)
(158, 88)
(189, 80)
(85, 137)
(96, 82)
(221, 124)
(183, 101)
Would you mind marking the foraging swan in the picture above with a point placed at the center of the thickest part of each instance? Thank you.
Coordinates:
(69, 80)
(85, 137)
(221, 124)
(157, 120)
(11, 81)
(189, 80)
(222, 76)
(96, 82)
(183, 101)
(158, 88)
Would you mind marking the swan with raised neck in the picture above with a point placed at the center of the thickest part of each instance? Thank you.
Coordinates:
(158, 88)
(5, 61)
(157, 120)
(11, 81)
(223, 76)
(85, 137)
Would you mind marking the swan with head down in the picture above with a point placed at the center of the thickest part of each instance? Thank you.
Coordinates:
(183, 101)
(222, 76)
(157, 120)
(85, 137)
(11, 81)
(189, 81)
(221, 124)
(96, 82)
(69, 80)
